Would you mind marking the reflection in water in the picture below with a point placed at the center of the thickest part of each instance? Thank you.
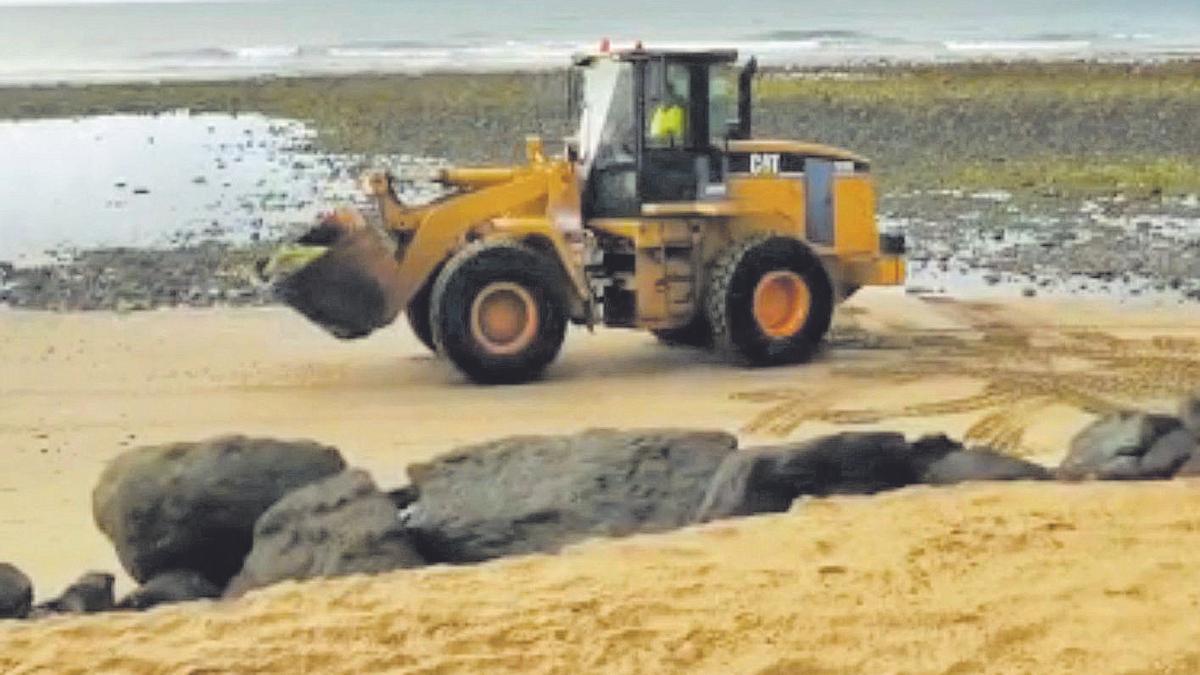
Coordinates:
(157, 180)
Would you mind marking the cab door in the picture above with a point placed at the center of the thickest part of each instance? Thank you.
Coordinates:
(678, 161)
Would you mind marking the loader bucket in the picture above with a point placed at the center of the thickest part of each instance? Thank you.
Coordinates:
(349, 287)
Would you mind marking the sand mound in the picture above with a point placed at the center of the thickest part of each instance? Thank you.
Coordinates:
(1023, 577)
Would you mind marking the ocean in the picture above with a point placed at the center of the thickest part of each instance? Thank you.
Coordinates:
(96, 40)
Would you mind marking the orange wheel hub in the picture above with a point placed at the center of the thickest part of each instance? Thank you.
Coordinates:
(782, 301)
(504, 318)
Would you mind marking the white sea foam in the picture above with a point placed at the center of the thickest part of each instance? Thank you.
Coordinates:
(1002, 46)
(267, 52)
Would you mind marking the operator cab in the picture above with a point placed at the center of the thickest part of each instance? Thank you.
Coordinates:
(652, 125)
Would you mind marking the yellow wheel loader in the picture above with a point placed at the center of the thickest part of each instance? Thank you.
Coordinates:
(662, 213)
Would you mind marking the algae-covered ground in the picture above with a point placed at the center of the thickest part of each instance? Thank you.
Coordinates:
(1074, 128)
(1030, 177)
(1065, 128)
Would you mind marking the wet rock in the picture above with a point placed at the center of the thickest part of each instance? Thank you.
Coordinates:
(92, 592)
(16, 593)
(338, 526)
(192, 506)
(347, 289)
(769, 479)
(106, 279)
(1190, 468)
(529, 494)
(1168, 454)
(930, 448)
(981, 464)
(1114, 448)
(170, 588)
(1189, 412)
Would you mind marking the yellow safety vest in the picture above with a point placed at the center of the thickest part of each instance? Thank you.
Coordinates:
(667, 123)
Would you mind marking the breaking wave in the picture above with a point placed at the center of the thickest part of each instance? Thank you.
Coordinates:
(1017, 46)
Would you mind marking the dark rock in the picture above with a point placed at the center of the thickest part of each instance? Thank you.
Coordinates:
(93, 592)
(1122, 467)
(769, 479)
(1190, 468)
(16, 593)
(347, 289)
(529, 494)
(127, 278)
(1113, 447)
(931, 448)
(338, 526)
(170, 588)
(1189, 412)
(1169, 453)
(979, 464)
(192, 506)
(403, 497)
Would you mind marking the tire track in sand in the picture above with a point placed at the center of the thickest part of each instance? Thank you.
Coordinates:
(1023, 367)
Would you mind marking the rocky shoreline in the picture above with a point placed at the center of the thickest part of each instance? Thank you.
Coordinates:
(1039, 178)
(226, 516)
(207, 274)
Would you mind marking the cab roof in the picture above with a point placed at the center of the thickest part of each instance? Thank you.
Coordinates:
(674, 55)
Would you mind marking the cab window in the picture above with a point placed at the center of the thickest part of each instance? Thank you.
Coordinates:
(722, 102)
(668, 93)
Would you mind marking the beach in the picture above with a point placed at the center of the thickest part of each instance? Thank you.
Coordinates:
(82, 387)
(1043, 577)
(1045, 171)
(981, 579)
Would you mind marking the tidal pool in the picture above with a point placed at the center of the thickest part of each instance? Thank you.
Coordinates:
(159, 180)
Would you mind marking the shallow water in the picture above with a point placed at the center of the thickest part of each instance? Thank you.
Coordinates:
(983, 244)
(159, 180)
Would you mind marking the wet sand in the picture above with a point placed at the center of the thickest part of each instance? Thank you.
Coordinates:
(81, 387)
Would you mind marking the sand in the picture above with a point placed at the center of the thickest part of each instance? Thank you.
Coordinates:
(1024, 578)
(1015, 578)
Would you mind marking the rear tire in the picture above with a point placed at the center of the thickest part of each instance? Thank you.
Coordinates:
(769, 301)
(498, 312)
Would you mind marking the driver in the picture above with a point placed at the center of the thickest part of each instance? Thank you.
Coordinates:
(667, 123)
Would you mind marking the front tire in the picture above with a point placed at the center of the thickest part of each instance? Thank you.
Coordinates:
(498, 312)
(769, 301)
(418, 317)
